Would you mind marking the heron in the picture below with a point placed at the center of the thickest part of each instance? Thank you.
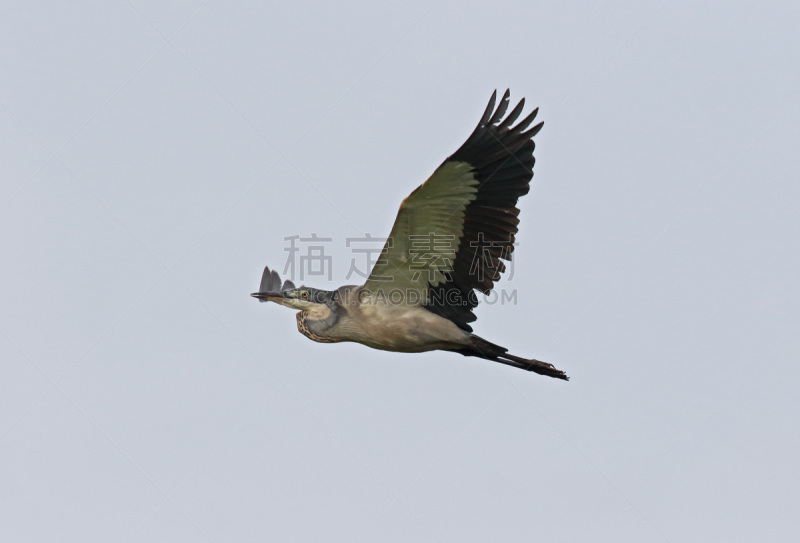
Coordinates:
(450, 239)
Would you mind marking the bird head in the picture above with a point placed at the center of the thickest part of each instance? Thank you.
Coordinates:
(286, 294)
(301, 298)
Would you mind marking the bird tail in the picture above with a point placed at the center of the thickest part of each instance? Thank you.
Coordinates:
(485, 349)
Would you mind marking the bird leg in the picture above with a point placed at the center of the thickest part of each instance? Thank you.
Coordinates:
(485, 349)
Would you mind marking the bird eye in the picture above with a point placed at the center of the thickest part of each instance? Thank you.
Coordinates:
(304, 294)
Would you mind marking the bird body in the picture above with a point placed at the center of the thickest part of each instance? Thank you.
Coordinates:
(408, 328)
(449, 240)
(404, 328)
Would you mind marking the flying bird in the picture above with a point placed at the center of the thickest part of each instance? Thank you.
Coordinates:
(449, 240)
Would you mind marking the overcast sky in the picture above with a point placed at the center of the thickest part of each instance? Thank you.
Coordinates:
(155, 156)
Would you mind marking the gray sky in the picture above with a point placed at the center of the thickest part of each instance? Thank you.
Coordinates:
(155, 156)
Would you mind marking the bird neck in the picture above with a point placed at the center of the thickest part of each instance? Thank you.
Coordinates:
(314, 323)
(318, 312)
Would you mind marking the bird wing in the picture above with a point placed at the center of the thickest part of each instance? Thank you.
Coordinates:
(453, 231)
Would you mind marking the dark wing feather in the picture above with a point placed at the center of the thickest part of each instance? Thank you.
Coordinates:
(501, 157)
(472, 199)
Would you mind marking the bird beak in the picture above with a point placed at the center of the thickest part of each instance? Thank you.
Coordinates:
(269, 296)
